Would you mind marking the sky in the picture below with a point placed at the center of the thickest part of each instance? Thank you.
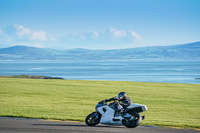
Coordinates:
(98, 24)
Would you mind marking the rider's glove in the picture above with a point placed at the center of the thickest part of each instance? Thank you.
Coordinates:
(106, 100)
(115, 98)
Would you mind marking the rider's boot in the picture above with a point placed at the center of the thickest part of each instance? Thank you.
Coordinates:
(122, 112)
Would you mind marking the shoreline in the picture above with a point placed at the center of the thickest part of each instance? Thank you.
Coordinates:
(50, 77)
(29, 77)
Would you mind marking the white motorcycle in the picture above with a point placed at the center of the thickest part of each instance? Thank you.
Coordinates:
(109, 115)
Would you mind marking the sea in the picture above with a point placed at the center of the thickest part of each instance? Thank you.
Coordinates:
(162, 71)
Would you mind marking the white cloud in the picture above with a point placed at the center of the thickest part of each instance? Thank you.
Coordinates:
(117, 33)
(38, 45)
(1, 32)
(95, 34)
(38, 35)
(84, 36)
(134, 34)
(4, 37)
(20, 35)
(110, 38)
(21, 31)
(31, 35)
(53, 38)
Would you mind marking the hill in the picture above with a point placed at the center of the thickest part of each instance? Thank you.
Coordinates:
(184, 51)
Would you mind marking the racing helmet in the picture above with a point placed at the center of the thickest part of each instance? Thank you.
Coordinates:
(121, 95)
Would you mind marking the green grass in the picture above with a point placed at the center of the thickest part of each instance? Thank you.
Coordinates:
(168, 104)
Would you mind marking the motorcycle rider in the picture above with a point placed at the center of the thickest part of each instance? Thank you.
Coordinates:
(123, 103)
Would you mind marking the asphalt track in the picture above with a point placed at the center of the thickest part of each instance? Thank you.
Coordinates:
(21, 125)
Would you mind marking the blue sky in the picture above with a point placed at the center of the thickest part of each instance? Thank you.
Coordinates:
(98, 24)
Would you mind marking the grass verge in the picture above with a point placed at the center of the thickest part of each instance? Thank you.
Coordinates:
(169, 104)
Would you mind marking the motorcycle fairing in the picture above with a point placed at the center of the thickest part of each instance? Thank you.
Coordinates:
(108, 116)
(137, 107)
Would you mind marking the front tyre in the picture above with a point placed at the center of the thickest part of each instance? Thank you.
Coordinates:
(132, 123)
(93, 119)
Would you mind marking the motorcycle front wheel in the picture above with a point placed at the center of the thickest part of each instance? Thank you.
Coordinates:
(93, 119)
(132, 123)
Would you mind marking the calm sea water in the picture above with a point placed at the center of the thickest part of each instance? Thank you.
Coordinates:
(115, 70)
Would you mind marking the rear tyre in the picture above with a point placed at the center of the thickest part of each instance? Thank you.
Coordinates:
(132, 123)
(93, 119)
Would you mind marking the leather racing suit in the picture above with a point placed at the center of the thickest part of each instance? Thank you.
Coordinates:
(122, 104)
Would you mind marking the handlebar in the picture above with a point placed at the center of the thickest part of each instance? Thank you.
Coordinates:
(103, 102)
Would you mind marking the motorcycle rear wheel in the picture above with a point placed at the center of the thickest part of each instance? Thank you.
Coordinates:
(132, 123)
(93, 119)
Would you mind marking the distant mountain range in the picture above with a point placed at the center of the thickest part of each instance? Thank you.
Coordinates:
(184, 51)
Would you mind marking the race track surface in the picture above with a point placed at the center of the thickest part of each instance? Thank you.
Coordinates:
(21, 125)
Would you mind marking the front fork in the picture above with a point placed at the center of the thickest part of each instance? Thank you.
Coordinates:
(97, 115)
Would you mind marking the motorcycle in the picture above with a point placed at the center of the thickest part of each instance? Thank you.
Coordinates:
(109, 115)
